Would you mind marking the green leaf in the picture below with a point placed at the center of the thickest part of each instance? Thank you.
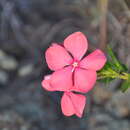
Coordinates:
(115, 63)
(106, 66)
(125, 67)
(113, 69)
(105, 69)
(125, 85)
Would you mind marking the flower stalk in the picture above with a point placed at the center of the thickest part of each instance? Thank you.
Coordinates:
(113, 75)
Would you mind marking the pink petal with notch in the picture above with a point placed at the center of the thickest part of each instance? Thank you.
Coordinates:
(57, 57)
(73, 104)
(94, 61)
(76, 44)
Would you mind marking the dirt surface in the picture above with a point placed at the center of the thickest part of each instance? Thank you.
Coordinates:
(27, 28)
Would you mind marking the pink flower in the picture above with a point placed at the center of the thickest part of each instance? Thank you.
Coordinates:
(72, 71)
(70, 103)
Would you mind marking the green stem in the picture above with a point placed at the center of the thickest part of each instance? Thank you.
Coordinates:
(124, 76)
(113, 75)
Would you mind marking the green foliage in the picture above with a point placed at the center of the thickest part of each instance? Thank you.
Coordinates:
(113, 69)
(104, 74)
(126, 84)
(115, 63)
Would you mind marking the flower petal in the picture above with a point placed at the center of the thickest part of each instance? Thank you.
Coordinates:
(84, 80)
(76, 44)
(94, 61)
(46, 83)
(73, 104)
(67, 106)
(62, 79)
(57, 57)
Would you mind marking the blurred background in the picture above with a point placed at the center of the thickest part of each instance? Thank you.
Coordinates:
(27, 29)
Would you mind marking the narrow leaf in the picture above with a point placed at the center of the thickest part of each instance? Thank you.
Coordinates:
(125, 85)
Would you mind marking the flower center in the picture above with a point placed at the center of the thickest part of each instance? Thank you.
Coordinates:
(74, 65)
